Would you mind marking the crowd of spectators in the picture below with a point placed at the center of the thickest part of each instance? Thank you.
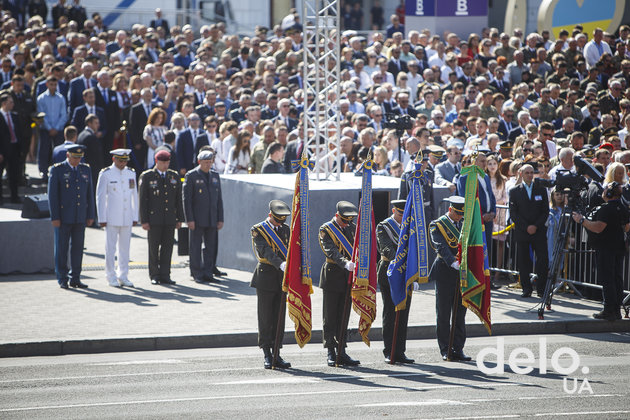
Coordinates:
(518, 98)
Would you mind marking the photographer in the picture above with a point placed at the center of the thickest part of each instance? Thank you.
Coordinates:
(606, 235)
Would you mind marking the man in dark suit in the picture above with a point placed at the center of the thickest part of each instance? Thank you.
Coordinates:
(161, 212)
(58, 10)
(79, 114)
(610, 101)
(159, 21)
(10, 143)
(92, 144)
(107, 99)
(403, 108)
(24, 107)
(395, 65)
(137, 121)
(185, 145)
(71, 202)
(336, 238)
(243, 61)
(283, 115)
(507, 123)
(499, 84)
(268, 237)
(529, 209)
(79, 84)
(70, 138)
(207, 107)
(203, 209)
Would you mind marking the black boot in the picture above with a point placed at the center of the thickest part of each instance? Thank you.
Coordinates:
(268, 357)
(281, 363)
(347, 360)
(332, 357)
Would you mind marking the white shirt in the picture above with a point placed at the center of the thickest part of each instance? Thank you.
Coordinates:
(591, 53)
(221, 155)
(117, 196)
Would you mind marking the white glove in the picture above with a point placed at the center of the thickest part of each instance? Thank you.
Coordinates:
(416, 286)
(455, 265)
(283, 265)
(350, 266)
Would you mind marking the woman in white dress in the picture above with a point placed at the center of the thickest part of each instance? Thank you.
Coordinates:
(154, 133)
(238, 157)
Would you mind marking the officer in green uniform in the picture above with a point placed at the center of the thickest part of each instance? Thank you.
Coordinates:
(161, 212)
(444, 273)
(387, 233)
(270, 240)
(336, 239)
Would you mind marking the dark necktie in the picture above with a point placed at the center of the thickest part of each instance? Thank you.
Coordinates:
(125, 98)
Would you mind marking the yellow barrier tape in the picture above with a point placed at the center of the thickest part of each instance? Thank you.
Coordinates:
(508, 228)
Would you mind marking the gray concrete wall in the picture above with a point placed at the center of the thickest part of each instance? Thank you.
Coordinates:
(246, 199)
(26, 245)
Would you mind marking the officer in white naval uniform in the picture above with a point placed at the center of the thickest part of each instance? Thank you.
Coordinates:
(117, 206)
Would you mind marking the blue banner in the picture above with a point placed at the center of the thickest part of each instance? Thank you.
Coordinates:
(411, 261)
(365, 225)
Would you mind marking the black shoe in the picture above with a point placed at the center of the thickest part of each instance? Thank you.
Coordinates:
(347, 360)
(168, 281)
(401, 358)
(268, 358)
(460, 356)
(200, 280)
(526, 294)
(332, 357)
(218, 272)
(281, 363)
(211, 279)
(155, 281)
(608, 316)
(63, 285)
(79, 285)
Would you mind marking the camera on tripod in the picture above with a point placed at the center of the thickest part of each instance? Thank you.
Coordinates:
(400, 123)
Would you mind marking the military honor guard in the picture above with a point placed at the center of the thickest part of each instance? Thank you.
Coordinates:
(444, 273)
(387, 234)
(117, 209)
(71, 202)
(336, 239)
(161, 212)
(203, 210)
(270, 240)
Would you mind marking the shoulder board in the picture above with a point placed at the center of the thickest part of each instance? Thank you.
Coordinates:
(130, 169)
(84, 164)
(146, 172)
(171, 171)
(58, 164)
(107, 168)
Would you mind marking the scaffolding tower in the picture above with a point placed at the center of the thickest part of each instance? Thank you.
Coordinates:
(321, 84)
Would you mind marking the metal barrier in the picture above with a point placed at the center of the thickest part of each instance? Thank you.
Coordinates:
(579, 257)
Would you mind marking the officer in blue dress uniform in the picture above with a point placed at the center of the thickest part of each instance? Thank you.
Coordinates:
(444, 273)
(71, 200)
(387, 233)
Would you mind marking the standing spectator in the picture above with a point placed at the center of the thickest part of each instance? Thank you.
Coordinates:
(51, 130)
(273, 163)
(529, 209)
(138, 117)
(395, 26)
(92, 144)
(159, 216)
(10, 143)
(203, 210)
(59, 152)
(117, 209)
(239, 154)
(77, 13)
(498, 182)
(153, 133)
(377, 15)
(71, 201)
(606, 234)
(595, 48)
(38, 8)
(159, 21)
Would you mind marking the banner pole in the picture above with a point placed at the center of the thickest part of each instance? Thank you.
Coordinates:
(343, 328)
(453, 320)
(392, 357)
(279, 328)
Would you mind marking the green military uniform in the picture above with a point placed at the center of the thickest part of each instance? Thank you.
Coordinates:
(334, 275)
(160, 200)
(387, 233)
(547, 112)
(488, 112)
(444, 234)
(268, 241)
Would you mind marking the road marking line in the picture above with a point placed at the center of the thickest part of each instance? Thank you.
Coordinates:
(142, 362)
(315, 379)
(581, 413)
(413, 403)
(228, 397)
(545, 397)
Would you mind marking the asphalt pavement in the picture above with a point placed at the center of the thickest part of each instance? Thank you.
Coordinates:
(586, 377)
